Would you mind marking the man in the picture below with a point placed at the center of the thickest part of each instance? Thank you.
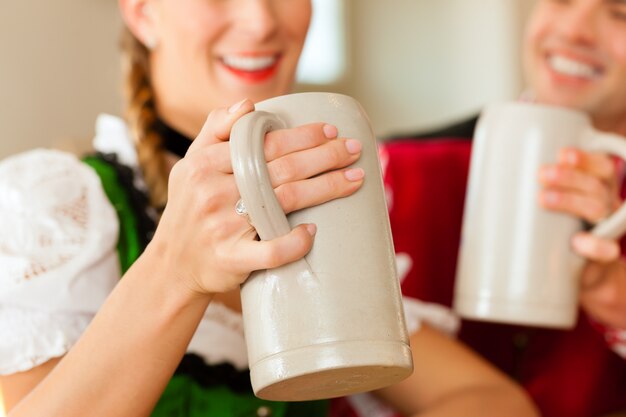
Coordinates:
(575, 56)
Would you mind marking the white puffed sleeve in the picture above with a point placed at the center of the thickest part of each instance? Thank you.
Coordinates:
(417, 312)
(435, 315)
(58, 261)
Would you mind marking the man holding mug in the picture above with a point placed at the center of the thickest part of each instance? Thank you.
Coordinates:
(575, 56)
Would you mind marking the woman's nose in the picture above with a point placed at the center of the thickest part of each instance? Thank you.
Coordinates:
(257, 18)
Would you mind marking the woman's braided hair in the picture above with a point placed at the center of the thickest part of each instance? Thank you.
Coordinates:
(141, 117)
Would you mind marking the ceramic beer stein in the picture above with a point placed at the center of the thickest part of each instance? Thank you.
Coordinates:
(331, 324)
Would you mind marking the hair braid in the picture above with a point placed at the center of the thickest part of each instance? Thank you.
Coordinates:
(141, 117)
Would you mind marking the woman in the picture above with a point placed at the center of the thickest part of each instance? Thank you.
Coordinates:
(186, 58)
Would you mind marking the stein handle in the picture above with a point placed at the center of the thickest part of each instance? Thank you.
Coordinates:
(247, 140)
(613, 226)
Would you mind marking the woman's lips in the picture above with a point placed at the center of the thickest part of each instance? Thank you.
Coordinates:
(251, 68)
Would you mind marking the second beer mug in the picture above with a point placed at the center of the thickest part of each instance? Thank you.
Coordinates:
(516, 264)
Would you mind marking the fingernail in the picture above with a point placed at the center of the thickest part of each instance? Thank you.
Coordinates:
(311, 228)
(550, 197)
(569, 156)
(578, 241)
(548, 173)
(354, 174)
(236, 106)
(330, 131)
(353, 146)
(596, 249)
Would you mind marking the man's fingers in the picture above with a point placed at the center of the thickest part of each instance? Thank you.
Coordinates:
(566, 178)
(588, 208)
(596, 164)
(595, 248)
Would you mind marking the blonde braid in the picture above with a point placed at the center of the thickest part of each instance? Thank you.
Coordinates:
(141, 117)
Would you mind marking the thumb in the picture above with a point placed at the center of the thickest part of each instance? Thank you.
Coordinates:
(282, 250)
(219, 123)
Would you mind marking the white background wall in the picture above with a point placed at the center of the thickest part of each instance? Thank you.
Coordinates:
(421, 63)
(58, 69)
(412, 63)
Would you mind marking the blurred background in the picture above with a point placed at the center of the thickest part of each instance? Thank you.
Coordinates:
(413, 64)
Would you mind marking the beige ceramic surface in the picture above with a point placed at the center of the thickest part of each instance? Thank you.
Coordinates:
(516, 264)
(331, 324)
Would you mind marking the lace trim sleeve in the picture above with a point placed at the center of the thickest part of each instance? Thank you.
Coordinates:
(57, 246)
(29, 338)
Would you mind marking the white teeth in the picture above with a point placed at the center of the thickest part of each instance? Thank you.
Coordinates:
(248, 63)
(571, 67)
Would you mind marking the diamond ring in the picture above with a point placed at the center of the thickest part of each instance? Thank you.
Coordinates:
(240, 208)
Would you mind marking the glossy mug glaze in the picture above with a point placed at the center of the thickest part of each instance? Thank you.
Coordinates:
(331, 324)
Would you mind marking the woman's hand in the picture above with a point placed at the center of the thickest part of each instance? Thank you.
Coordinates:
(201, 239)
(585, 185)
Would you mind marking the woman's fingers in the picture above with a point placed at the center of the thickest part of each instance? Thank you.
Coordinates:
(294, 166)
(285, 141)
(253, 255)
(317, 190)
(308, 163)
(219, 247)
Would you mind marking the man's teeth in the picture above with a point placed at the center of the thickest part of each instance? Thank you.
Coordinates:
(571, 67)
(248, 63)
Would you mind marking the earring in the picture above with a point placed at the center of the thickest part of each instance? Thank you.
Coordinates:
(151, 42)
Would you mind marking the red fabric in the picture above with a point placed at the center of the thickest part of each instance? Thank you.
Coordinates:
(339, 407)
(567, 373)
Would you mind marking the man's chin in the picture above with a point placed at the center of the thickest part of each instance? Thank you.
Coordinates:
(573, 101)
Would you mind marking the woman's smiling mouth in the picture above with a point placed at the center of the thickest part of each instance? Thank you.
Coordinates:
(251, 68)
